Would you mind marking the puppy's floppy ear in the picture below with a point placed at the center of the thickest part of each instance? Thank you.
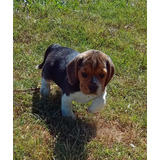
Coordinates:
(72, 70)
(110, 69)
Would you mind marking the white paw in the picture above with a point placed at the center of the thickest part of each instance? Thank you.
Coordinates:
(94, 109)
(98, 103)
(68, 113)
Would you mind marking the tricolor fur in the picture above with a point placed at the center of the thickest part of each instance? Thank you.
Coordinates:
(81, 76)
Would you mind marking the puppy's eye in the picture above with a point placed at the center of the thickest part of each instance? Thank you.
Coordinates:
(85, 75)
(101, 75)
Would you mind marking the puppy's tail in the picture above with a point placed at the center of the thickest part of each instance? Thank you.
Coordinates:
(49, 49)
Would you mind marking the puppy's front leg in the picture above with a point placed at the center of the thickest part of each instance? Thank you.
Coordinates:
(66, 106)
(98, 103)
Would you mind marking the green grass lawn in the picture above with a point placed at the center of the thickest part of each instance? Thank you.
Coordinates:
(116, 27)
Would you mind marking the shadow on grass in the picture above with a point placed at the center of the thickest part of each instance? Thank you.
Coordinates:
(71, 136)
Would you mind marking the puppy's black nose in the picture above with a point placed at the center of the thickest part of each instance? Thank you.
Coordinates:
(93, 87)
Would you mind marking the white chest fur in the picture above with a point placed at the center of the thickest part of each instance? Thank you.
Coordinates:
(66, 103)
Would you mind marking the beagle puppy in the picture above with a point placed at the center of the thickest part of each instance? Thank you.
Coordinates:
(81, 76)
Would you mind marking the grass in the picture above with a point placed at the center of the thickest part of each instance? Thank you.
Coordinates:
(116, 27)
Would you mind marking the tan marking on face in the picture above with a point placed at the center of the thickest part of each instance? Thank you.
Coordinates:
(92, 68)
(88, 66)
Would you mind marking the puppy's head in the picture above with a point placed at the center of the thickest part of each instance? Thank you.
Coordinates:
(92, 70)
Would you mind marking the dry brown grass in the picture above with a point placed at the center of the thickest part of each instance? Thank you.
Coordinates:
(111, 132)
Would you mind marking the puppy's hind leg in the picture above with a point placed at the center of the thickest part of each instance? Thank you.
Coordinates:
(45, 87)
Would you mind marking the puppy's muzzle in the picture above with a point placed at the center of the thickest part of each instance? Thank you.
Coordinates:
(93, 85)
